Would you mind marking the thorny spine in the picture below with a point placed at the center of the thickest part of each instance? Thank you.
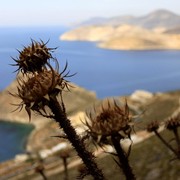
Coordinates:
(109, 124)
(33, 60)
(86, 156)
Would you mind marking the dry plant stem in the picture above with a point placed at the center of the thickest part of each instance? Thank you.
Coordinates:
(65, 168)
(177, 137)
(123, 159)
(43, 175)
(86, 156)
(168, 145)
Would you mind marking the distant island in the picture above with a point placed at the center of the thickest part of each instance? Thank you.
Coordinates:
(157, 30)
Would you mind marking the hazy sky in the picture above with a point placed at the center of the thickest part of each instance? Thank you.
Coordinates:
(68, 12)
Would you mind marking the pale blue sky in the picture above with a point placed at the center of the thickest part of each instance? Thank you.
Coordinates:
(69, 12)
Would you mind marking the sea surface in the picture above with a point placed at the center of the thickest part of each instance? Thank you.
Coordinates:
(106, 72)
(13, 139)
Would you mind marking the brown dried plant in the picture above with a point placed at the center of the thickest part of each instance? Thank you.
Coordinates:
(172, 124)
(34, 89)
(33, 57)
(111, 125)
(40, 86)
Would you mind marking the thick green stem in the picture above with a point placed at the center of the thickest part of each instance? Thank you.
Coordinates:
(77, 143)
(123, 159)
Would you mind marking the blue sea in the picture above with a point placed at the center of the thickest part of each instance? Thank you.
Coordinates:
(106, 72)
(13, 139)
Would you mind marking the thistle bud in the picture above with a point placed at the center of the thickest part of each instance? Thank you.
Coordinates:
(110, 120)
(153, 126)
(173, 123)
(34, 90)
(33, 57)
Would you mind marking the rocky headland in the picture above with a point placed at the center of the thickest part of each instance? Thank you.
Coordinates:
(124, 37)
(157, 30)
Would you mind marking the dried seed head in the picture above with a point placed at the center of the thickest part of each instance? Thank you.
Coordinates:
(33, 57)
(173, 123)
(38, 85)
(153, 126)
(111, 120)
(34, 91)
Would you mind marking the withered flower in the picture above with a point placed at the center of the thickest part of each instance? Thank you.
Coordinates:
(38, 88)
(34, 91)
(109, 126)
(173, 123)
(153, 126)
(33, 57)
(110, 120)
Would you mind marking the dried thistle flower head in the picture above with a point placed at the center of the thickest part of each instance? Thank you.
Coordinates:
(110, 120)
(153, 126)
(173, 123)
(36, 89)
(33, 57)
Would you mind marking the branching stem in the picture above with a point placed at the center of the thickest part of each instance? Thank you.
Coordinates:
(166, 143)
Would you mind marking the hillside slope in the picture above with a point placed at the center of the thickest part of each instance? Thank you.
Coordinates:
(157, 18)
(80, 96)
(124, 37)
(156, 30)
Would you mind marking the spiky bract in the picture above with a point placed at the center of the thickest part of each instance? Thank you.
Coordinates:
(111, 120)
(36, 89)
(153, 126)
(173, 122)
(33, 57)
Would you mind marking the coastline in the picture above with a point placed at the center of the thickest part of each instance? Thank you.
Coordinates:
(17, 138)
(43, 128)
(124, 37)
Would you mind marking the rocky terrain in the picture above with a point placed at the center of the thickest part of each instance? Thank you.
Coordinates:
(9, 103)
(144, 105)
(149, 158)
(39, 138)
(157, 30)
(124, 37)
